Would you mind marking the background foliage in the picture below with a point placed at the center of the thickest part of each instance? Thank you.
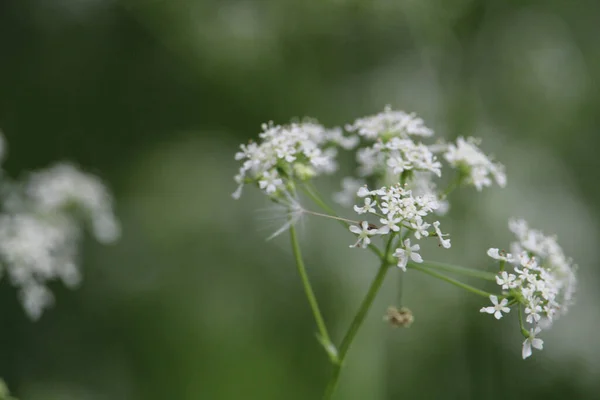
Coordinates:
(192, 303)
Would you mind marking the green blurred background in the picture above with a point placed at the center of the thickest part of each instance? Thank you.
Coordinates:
(192, 303)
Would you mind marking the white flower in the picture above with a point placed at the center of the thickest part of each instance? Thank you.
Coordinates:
(43, 226)
(532, 341)
(369, 207)
(35, 299)
(533, 311)
(445, 243)
(396, 123)
(468, 157)
(506, 280)
(398, 165)
(544, 278)
(270, 182)
(407, 253)
(498, 308)
(363, 232)
(304, 150)
(420, 228)
(63, 186)
(500, 255)
(392, 223)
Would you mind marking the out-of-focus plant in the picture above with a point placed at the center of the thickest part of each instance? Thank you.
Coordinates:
(398, 186)
(42, 223)
(4, 393)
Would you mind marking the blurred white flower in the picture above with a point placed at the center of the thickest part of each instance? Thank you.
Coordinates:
(42, 226)
(389, 122)
(477, 167)
(497, 254)
(63, 186)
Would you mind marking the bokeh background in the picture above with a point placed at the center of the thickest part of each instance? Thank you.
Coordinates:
(193, 303)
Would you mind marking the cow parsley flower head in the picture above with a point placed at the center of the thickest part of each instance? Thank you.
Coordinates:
(397, 209)
(538, 278)
(390, 123)
(389, 145)
(297, 151)
(41, 228)
(65, 187)
(474, 164)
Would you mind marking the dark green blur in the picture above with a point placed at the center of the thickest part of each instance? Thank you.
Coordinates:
(192, 303)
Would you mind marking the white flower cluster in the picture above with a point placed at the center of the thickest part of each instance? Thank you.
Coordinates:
(397, 209)
(299, 150)
(389, 122)
(391, 148)
(41, 227)
(479, 169)
(540, 278)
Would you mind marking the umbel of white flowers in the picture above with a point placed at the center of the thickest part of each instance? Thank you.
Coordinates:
(396, 185)
(537, 276)
(41, 226)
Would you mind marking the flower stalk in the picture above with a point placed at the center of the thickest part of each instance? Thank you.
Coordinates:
(323, 334)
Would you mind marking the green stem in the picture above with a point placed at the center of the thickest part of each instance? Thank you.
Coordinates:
(524, 331)
(356, 324)
(452, 281)
(453, 185)
(312, 300)
(489, 276)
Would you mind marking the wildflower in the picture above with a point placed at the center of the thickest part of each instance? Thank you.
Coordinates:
(540, 277)
(507, 281)
(445, 243)
(270, 182)
(420, 228)
(296, 151)
(478, 168)
(497, 308)
(533, 311)
(43, 226)
(363, 232)
(394, 123)
(369, 206)
(407, 253)
(532, 341)
(63, 186)
(399, 209)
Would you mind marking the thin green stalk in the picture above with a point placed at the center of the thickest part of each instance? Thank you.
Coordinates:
(456, 182)
(524, 331)
(357, 323)
(452, 281)
(312, 300)
(489, 276)
(308, 189)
